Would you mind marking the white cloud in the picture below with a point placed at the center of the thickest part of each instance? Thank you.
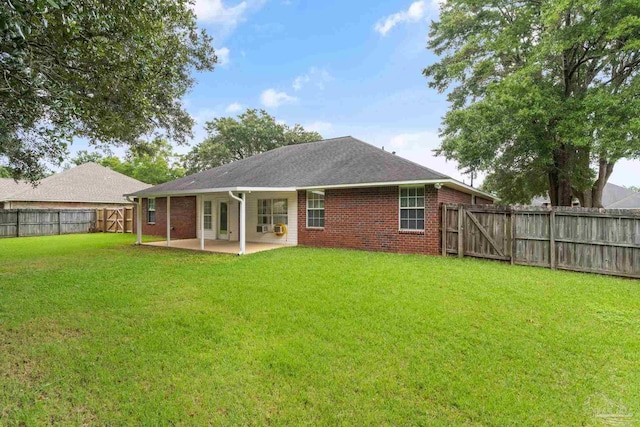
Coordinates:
(223, 17)
(416, 12)
(321, 127)
(300, 81)
(223, 56)
(215, 11)
(234, 107)
(273, 98)
(315, 75)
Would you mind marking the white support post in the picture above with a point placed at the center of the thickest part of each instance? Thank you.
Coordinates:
(139, 222)
(243, 225)
(168, 221)
(202, 223)
(243, 221)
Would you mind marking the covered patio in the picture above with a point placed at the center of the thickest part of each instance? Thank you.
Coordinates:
(236, 221)
(216, 246)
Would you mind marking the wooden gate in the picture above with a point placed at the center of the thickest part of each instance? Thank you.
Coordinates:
(481, 231)
(578, 239)
(115, 220)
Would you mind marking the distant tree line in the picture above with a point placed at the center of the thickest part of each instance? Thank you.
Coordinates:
(228, 139)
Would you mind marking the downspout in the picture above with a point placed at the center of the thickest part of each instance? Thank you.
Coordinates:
(243, 221)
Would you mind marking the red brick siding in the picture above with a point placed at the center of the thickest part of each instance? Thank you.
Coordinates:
(449, 195)
(367, 219)
(183, 218)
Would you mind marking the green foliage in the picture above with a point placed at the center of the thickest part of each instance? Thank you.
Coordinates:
(5, 172)
(109, 71)
(545, 96)
(152, 162)
(96, 331)
(253, 132)
(84, 156)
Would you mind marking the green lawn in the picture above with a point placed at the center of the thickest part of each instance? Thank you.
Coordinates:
(95, 331)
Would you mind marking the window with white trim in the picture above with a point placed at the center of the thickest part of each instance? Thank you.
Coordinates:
(273, 211)
(151, 211)
(315, 209)
(208, 215)
(412, 208)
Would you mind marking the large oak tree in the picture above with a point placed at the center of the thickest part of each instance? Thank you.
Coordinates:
(545, 94)
(109, 71)
(252, 132)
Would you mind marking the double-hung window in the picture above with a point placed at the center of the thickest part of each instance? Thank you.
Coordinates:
(207, 215)
(151, 211)
(412, 208)
(273, 211)
(315, 209)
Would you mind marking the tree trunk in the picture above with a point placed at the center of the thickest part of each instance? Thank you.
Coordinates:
(559, 185)
(592, 198)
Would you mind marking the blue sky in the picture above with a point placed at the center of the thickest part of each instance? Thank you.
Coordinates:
(337, 67)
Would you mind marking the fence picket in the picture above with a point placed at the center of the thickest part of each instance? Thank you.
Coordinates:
(578, 239)
(45, 222)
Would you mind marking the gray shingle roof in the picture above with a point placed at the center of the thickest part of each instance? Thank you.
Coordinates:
(630, 202)
(89, 182)
(611, 195)
(8, 187)
(614, 193)
(338, 161)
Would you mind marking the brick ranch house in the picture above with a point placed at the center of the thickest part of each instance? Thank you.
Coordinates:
(335, 193)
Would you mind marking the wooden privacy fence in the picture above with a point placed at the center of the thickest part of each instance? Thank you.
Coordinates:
(115, 220)
(578, 239)
(45, 222)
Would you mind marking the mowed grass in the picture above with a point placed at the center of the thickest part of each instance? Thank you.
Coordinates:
(96, 331)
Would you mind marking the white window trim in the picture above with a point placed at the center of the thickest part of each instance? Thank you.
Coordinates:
(151, 210)
(313, 209)
(205, 214)
(271, 214)
(411, 230)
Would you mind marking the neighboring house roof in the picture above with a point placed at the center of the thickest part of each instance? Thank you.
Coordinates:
(336, 162)
(89, 182)
(630, 202)
(614, 193)
(9, 186)
(611, 194)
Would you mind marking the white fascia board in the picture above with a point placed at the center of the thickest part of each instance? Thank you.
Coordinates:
(214, 190)
(448, 182)
(452, 183)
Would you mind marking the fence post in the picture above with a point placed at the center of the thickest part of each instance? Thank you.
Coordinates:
(460, 231)
(18, 223)
(513, 237)
(552, 238)
(443, 224)
(59, 222)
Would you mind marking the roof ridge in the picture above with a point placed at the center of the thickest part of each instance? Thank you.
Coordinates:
(635, 194)
(89, 180)
(311, 142)
(269, 151)
(403, 159)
